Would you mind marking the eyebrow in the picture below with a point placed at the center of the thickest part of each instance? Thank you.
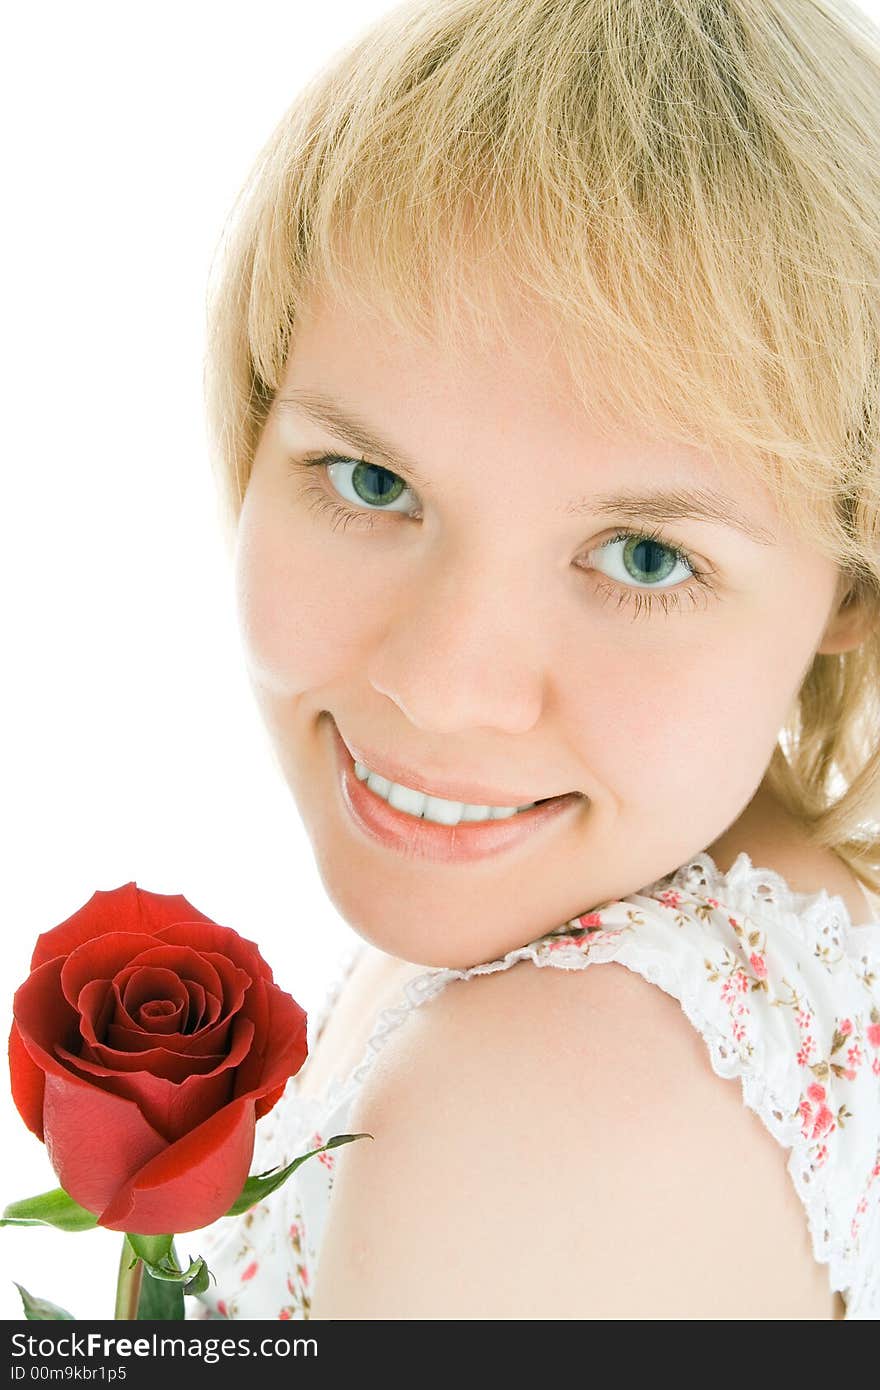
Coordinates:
(661, 504)
(675, 504)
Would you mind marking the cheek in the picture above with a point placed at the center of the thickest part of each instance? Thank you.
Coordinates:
(696, 718)
(303, 609)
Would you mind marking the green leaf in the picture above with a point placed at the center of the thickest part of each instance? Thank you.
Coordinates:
(260, 1185)
(160, 1300)
(53, 1208)
(40, 1309)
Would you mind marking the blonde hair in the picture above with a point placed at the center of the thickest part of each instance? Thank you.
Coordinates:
(688, 190)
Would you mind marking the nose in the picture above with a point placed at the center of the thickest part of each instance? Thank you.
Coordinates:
(464, 650)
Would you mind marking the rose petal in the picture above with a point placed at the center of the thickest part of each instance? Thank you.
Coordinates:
(99, 959)
(236, 980)
(102, 1061)
(182, 961)
(173, 1107)
(94, 1004)
(161, 1015)
(256, 1006)
(27, 1083)
(193, 1182)
(44, 1016)
(266, 1103)
(284, 1050)
(231, 983)
(226, 942)
(95, 1140)
(211, 1042)
(149, 985)
(125, 909)
(197, 1001)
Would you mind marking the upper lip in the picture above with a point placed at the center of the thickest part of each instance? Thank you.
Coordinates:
(474, 793)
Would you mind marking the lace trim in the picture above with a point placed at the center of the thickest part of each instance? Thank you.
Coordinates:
(416, 991)
(816, 919)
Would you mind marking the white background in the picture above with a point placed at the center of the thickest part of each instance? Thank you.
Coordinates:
(131, 748)
(131, 745)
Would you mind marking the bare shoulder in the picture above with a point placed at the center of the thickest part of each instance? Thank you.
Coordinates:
(553, 1143)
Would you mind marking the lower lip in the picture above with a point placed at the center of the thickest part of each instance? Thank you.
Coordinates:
(469, 840)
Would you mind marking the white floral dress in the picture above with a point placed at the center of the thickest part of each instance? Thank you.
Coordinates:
(783, 988)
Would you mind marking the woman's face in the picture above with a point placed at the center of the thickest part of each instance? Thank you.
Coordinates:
(475, 627)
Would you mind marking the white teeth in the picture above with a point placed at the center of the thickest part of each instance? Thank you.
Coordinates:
(433, 808)
(446, 812)
(403, 799)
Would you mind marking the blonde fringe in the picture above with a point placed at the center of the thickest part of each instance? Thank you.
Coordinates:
(688, 189)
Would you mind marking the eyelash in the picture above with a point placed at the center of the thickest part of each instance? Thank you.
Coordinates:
(699, 585)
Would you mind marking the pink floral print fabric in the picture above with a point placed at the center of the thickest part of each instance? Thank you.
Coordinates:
(783, 988)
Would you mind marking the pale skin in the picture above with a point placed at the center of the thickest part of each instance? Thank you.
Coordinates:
(479, 632)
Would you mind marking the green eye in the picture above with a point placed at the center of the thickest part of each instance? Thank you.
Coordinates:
(373, 485)
(646, 560)
(367, 484)
(638, 559)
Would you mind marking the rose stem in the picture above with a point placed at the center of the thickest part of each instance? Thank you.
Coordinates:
(128, 1285)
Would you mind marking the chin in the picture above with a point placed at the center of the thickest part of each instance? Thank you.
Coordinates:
(392, 932)
(439, 942)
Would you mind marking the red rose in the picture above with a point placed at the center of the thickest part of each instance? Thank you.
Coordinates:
(146, 1043)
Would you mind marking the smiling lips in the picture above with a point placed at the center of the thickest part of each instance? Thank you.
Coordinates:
(465, 842)
(470, 793)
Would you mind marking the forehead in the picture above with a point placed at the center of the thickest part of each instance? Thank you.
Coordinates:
(509, 390)
(518, 354)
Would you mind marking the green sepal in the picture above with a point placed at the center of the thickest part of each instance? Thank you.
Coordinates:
(53, 1208)
(164, 1283)
(151, 1249)
(167, 1270)
(200, 1280)
(259, 1185)
(40, 1309)
(160, 1263)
